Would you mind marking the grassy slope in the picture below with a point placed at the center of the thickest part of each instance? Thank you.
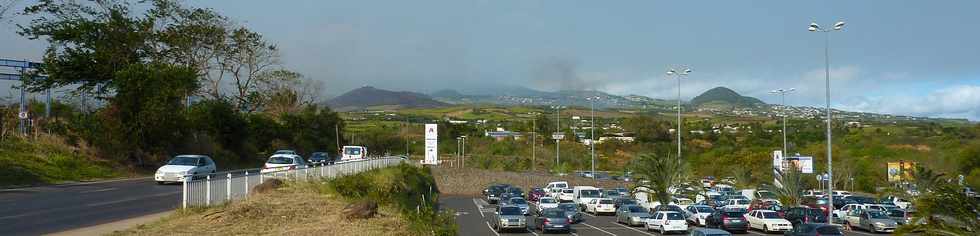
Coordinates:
(48, 161)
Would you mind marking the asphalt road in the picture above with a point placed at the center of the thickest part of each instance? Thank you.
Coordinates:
(473, 215)
(51, 209)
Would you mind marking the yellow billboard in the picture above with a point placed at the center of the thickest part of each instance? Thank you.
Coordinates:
(900, 171)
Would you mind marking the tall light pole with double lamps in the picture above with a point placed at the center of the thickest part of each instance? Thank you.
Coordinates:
(814, 27)
(678, 76)
(534, 134)
(782, 93)
(592, 138)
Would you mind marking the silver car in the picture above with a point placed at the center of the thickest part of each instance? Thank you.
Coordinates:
(520, 203)
(874, 221)
(632, 215)
(509, 217)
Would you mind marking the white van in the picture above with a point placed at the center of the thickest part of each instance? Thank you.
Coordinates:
(353, 153)
(584, 194)
(553, 189)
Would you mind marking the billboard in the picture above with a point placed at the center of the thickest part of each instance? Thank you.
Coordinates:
(900, 171)
(431, 144)
(780, 163)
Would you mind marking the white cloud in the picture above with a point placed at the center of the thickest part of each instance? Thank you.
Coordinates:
(962, 101)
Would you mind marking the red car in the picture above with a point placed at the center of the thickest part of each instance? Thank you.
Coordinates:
(534, 194)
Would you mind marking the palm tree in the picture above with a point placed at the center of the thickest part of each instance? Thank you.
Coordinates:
(944, 210)
(662, 173)
(791, 191)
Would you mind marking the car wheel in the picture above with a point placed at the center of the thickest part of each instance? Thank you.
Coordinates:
(765, 229)
(662, 231)
(160, 182)
(647, 226)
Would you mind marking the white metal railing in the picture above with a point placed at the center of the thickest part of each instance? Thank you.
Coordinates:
(221, 187)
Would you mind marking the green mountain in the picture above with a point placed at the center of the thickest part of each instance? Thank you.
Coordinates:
(724, 96)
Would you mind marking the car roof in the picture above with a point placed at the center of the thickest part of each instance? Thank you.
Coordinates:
(285, 155)
(712, 231)
(192, 155)
(766, 211)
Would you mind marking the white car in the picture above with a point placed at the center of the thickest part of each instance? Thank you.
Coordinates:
(555, 187)
(566, 195)
(599, 206)
(283, 162)
(546, 203)
(698, 213)
(182, 166)
(666, 221)
(840, 215)
(767, 221)
(732, 204)
(683, 202)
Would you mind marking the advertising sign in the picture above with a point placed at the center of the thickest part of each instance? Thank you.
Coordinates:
(431, 144)
(900, 171)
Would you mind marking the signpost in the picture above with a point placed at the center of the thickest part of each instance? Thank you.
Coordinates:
(431, 144)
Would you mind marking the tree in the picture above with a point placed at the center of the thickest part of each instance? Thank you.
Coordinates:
(662, 172)
(944, 210)
(149, 105)
(648, 129)
(248, 56)
(196, 38)
(790, 190)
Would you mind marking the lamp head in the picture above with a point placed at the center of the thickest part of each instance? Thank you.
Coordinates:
(839, 25)
(814, 27)
(688, 71)
(671, 72)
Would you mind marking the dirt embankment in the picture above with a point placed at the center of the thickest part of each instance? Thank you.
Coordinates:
(471, 182)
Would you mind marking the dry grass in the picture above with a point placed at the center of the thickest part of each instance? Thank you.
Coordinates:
(297, 209)
(470, 181)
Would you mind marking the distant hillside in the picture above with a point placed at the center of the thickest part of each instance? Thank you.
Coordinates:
(369, 96)
(724, 96)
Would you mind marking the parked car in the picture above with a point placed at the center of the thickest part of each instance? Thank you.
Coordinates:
(571, 210)
(182, 166)
(519, 202)
(902, 217)
(860, 199)
(618, 202)
(805, 215)
(815, 230)
(666, 221)
(550, 220)
(696, 214)
(731, 221)
(545, 203)
(611, 193)
(285, 151)
(767, 221)
(817, 203)
(494, 193)
(737, 204)
(840, 215)
(623, 191)
(683, 202)
(566, 195)
(555, 188)
(508, 217)
(871, 220)
(283, 162)
(535, 194)
(632, 215)
(709, 232)
(599, 206)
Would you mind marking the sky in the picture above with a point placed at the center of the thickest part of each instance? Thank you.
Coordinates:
(916, 58)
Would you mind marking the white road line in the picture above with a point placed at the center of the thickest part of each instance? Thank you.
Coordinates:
(99, 190)
(631, 227)
(479, 209)
(532, 232)
(491, 229)
(130, 199)
(573, 233)
(590, 226)
(589, 214)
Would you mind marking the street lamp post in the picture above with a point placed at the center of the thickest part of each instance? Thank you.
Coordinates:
(826, 52)
(678, 76)
(592, 138)
(557, 141)
(782, 93)
(534, 134)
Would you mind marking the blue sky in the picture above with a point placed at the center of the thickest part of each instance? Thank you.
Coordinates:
(900, 57)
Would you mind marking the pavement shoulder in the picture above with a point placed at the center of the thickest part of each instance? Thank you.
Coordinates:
(107, 228)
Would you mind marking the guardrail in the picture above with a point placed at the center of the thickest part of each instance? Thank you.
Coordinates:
(221, 187)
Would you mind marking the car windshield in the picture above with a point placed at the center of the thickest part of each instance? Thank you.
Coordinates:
(516, 190)
(589, 193)
(637, 209)
(896, 213)
(734, 214)
(674, 216)
(742, 202)
(548, 200)
(568, 207)
(352, 151)
(770, 215)
(553, 214)
(510, 211)
(567, 191)
(184, 161)
(612, 193)
(705, 209)
(626, 201)
(877, 215)
(518, 201)
(319, 155)
(280, 160)
(605, 201)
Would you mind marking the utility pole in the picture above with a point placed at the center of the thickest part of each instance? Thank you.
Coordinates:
(534, 126)
(592, 141)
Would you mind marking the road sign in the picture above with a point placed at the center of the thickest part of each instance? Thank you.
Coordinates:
(558, 136)
(22, 115)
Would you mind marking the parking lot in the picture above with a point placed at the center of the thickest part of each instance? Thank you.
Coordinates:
(473, 215)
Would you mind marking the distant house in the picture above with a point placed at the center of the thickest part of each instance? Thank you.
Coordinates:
(622, 137)
(500, 134)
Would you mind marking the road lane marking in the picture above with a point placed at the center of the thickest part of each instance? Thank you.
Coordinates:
(532, 232)
(99, 190)
(491, 229)
(131, 199)
(631, 227)
(480, 209)
(597, 228)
